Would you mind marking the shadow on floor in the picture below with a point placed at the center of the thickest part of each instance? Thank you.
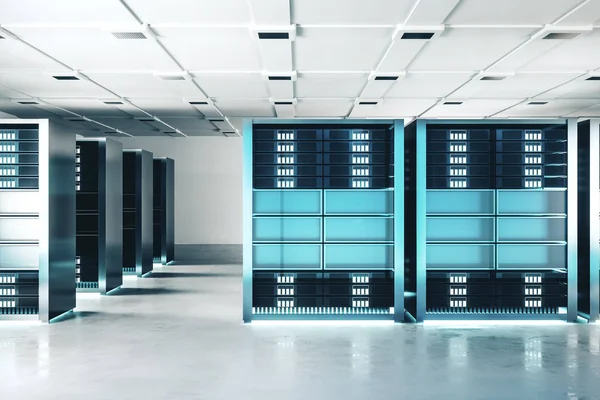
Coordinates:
(188, 275)
(208, 254)
(146, 291)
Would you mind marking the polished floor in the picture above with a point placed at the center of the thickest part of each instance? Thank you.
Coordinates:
(178, 335)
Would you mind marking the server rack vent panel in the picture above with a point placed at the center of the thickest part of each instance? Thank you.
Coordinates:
(496, 222)
(322, 221)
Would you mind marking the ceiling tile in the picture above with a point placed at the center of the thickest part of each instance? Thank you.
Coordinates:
(270, 12)
(57, 12)
(572, 55)
(341, 49)
(17, 56)
(144, 85)
(192, 11)
(427, 85)
(477, 108)
(167, 107)
(577, 89)
(431, 12)
(394, 108)
(38, 84)
(554, 108)
(251, 85)
(510, 12)
(589, 13)
(245, 108)
(333, 108)
(401, 55)
(355, 12)
(88, 107)
(330, 85)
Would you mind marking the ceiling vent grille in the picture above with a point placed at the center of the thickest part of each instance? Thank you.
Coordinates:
(417, 35)
(453, 103)
(172, 77)
(27, 103)
(386, 78)
(171, 133)
(216, 120)
(280, 78)
(1, 37)
(273, 35)
(367, 103)
(493, 78)
(537, 103)
(146, 120)
(66, 78)
(76, 120)
(283, 103)
(129, 35)
(561, 35)
(593, 78)
(113, 103)
(199, 103)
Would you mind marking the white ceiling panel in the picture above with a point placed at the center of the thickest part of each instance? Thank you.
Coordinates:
(276, 55)
(17, 56)
(39, 84)
(587, 14)
(432, 12)
(25, 111)
(341, 49)
(468, 49)
(233, 85)
(192, 11)
(525, 55)
(401, 55)
(88, 107)
(510, 12)
(377, 88)
(394, 108)
(427, 85)
(323, 107)
(512, 87)
(270, 12)
(285, 111)
(97, 49)
(593, 111)
(7, 92)
(577, 89)
(212, 49)
(246, 108)
(167, 107)
(63, 12)
(572, 55)
(355, 12)
(554, 108)
(144, 85)
(281, 89)
(190, 124)
(470, 108)
(330, 85)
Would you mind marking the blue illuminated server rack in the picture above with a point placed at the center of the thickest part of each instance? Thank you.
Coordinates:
(494, 235)
(323, 219)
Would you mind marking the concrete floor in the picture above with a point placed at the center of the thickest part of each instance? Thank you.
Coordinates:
(178, 335)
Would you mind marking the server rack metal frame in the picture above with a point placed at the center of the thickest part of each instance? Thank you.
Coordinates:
(321, 215)
(499, 218)
(37, 220)
(99, 186)
(137, 212)
(164, 210)
(588, 285)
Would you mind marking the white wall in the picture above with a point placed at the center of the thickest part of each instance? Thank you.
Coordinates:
(208, 186)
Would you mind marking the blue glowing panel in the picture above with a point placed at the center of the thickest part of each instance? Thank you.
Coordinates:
(532, 256)
(359, 202)
(359, 256)
(449, 202)
(543, 229)
(287, 229)
(359, 229)
(287, 256)
(456, 229)
(460, 256)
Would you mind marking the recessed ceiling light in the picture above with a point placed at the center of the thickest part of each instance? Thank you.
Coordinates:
(453, 103)
(113, 102)
(367, 103)
(283, 103)
(280, 78)
(199, 103)
(417, 35)
(386, 78)
(561, 35)
(129, 35)
(28, 102)
(593, 78)
(492, 78)
(66, 78)
(273, 35)
(537, 103)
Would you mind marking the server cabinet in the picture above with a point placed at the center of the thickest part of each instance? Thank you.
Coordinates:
(323, 220)
(37, 220)
(496, 219)
(99, 186)
(164, 210)
(137, 212)
(588, 276)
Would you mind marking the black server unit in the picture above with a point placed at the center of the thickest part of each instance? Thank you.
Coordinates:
(137, 212)
(164, 210)
(37, 220)
(496, 224)
(99, 166)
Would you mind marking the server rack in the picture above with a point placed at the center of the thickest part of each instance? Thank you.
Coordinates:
(323, 220)
(37, 220)
(164, 210)
(496, 220)
(588, 282)
(137, 212)
(99, 187)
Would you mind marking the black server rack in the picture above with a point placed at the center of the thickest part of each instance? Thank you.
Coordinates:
(164, 210)
(37, 220)
(99, 175)
(137, 212)
(496, 233)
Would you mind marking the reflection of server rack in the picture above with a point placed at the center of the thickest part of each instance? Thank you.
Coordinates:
(588, 275)
(164, 210)
(494, 239)
(99, 174)
(37, 220)
(323, 235)
(137, 212)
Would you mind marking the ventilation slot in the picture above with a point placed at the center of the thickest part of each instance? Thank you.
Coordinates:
(280, 78)
(453, 103)
(593, 78)
(1, 37)
(537, 103)
(146, 120)
(216, 120)
(172, 77)
(199, 103)
(66, 78)
(129, 35)
(561, 35)
(273, 35)
(28, 102)
(113, 103)
(386, 78)
(284, 103)
(367, 103)
(492, 78)
(417, 35)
